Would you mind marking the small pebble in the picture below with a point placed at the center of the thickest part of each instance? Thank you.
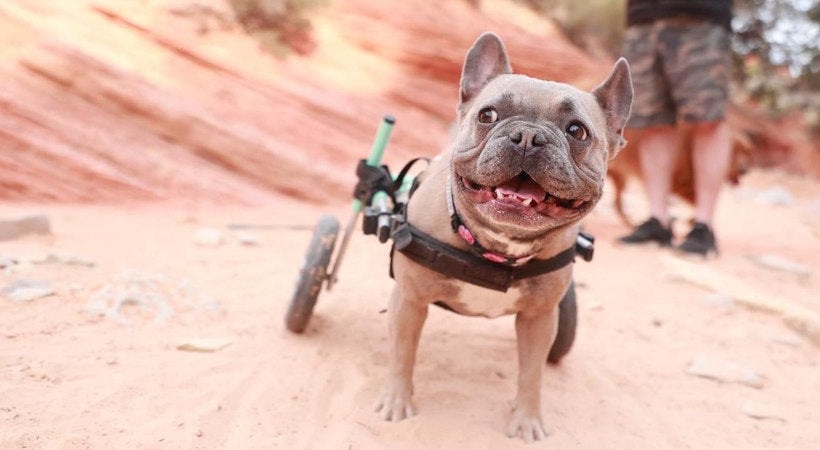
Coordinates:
(204, 344)
(760, 411)
(724, 371)
(776, 196)
(28, 290)
(208, 237)
(246, 238)
(782, 264)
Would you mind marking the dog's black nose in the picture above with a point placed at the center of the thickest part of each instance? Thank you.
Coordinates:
(516, 137)
(528, 138)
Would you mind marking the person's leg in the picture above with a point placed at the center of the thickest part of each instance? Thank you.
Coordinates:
(658, 155)
(657, 151)
(698, 72)
(653, 116)
(711, 156)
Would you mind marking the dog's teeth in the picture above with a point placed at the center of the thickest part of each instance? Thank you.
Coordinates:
(527, 202)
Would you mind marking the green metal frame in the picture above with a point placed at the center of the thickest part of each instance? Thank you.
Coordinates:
(374, 159)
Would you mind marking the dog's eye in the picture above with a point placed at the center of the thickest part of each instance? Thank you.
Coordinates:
(577, 131)
(487, 115)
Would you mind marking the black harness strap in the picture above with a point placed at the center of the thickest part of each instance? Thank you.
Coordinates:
(452, 262)
(403, 173)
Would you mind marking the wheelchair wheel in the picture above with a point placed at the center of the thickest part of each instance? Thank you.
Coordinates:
(567, 321)
(313, 274)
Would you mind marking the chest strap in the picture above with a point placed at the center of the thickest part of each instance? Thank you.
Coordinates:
(466, 266)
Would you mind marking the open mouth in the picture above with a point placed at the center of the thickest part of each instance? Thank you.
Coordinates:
(523, 192)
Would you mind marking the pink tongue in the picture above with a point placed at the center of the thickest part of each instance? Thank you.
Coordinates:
(526, 189)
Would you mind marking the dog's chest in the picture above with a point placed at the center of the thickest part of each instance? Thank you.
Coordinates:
(479, 301)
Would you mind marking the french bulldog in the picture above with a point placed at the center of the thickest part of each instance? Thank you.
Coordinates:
(528, 162)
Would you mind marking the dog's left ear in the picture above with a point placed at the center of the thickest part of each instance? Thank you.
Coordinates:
(614, 96)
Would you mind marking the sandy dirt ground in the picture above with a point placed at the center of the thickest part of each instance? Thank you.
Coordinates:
(73, 378)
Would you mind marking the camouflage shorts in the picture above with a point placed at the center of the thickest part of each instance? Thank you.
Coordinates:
(680, 71)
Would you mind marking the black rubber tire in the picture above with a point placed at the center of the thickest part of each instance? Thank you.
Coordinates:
(567, 322)
(313, 274)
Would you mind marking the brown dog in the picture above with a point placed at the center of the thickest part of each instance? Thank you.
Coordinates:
(528, 162)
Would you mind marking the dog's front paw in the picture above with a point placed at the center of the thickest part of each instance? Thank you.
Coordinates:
(527, 426)
(395, 404)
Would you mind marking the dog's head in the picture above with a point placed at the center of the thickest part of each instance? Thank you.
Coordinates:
(530, 155)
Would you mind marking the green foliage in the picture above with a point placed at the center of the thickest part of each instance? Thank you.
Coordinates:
(777, 57)
(781, 32)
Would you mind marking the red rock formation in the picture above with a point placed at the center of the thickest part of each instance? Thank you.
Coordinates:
(104, 100)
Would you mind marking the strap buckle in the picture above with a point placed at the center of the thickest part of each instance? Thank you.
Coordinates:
(584, 245)
(371, 180)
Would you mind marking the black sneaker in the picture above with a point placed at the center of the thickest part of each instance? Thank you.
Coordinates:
(649, 231)
(699, 241)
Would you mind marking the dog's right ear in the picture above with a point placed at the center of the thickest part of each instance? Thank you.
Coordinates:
(486, 60)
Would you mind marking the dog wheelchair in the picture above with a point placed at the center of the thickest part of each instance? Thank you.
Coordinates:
(382, 199)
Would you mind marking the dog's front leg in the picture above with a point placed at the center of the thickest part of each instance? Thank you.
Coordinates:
(406, 320)
(535, 331)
